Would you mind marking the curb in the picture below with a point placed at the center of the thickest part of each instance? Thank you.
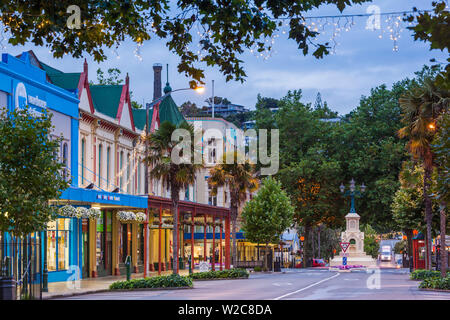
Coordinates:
(213, 279)
(64, 295)
(436, 290)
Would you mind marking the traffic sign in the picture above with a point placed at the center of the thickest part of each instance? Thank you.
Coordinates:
(344, 245)
(344, 261)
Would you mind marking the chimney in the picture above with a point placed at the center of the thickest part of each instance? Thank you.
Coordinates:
(127, 80)
(157, 93)
(85, 66)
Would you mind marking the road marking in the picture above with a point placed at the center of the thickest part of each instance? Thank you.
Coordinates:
(305, 288)
(279, 284)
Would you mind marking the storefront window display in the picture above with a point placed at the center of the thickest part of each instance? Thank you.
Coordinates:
(58, 239)
(104, 243)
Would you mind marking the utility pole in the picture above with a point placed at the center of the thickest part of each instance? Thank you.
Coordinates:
(212, 99)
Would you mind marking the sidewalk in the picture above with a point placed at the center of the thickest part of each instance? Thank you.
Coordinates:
(92, 285)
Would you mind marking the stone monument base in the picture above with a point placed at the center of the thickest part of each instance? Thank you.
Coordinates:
(354, 259)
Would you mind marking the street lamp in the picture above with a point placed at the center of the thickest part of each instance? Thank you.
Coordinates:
(168, 91)
(352, 193)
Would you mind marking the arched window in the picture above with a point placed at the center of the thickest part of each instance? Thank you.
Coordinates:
(128, 173)
(83, 159)
(352, 241)
(108, 155)
(120, 170)
(138, 191)
(65, 160)
(100, 153)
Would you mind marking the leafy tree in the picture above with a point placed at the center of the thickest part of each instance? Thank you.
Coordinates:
(30, 173)
(400, 247)
(422, 106)
(268, 214)
(112, 78)
(173, 174)
(266, 102)
(240, 179)
(408, 205)
(441, 149)
(229, 28)
(432, 27)
(189, 109)
(371, 245)
(238, 119)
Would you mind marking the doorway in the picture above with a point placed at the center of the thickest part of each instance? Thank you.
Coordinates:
(104, 244)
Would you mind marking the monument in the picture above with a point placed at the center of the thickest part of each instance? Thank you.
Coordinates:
(355, 253)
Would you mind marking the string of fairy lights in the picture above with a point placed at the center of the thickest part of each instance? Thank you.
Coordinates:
(329, 29)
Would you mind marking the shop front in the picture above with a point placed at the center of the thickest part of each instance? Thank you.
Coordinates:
(103, 240)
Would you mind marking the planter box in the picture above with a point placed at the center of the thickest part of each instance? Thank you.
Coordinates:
(149, 289)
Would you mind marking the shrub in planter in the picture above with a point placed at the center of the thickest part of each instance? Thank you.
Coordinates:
(424, 274)
(171, 281)
(224, 274)
(436, 283)
(257, 269)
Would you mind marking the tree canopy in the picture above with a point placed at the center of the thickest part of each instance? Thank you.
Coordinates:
(226, 28)
(30, 172)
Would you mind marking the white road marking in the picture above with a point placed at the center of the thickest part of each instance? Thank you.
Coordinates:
(279, 284)
(305, 288)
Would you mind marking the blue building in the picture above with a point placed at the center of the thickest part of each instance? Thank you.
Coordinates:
(24, 82)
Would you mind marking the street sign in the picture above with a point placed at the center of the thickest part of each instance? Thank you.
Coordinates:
(203, 266)
(344, 261)
(344, 245)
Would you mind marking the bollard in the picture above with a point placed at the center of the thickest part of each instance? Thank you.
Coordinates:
(190, 265)
(128, 266)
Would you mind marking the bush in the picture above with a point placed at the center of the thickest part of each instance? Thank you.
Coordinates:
(424, 274)
(436, 283)
(224, 274)
(171, 281)
(257, 269)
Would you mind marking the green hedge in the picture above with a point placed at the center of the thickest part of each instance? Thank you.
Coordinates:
(232, 273)
(436, 283)
(171, 281)
(424, 274)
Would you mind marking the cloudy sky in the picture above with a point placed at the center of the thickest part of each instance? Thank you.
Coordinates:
(362, 61)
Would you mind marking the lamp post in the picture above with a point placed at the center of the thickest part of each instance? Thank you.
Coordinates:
(352, 193)
(167, 91)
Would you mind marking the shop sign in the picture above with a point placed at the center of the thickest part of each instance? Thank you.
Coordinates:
(107, 197)
(22, 99)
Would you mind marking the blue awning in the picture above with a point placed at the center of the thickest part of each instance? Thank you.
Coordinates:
(95, 196)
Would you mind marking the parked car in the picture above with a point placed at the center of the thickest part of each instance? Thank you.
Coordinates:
(318, 263)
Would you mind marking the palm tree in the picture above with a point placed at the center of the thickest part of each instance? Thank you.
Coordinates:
(421, 107)
(240, 179)
(173, 174)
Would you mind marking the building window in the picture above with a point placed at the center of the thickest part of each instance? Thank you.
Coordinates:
(212, 151)
(100, 152)
(58, 240)
(108, 152)
(128, 173)
(120, 170)
(139, 177)
(83, 159)
(65, 160)
(212, 200)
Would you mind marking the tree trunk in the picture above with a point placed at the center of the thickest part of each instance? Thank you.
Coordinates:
(409, 236)
(313, 243)
(233, 254)
(175, 194)
(428, 212)
(318, 242)
(306, 251)
(266, 258)
(443, 249)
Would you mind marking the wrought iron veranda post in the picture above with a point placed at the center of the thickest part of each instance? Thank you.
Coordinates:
(45, 268)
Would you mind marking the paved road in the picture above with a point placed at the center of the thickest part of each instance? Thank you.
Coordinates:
(389, 284)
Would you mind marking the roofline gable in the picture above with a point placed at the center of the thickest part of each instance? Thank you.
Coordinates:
(125, 97)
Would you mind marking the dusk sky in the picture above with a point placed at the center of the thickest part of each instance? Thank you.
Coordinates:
(362, 61)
